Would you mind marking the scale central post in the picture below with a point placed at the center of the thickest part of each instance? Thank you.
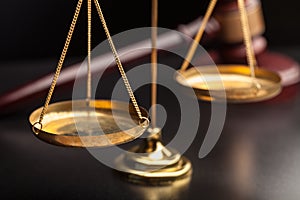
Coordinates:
(152, 163)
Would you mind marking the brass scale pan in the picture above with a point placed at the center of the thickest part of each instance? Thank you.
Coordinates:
(99, 123)
(232, 83)
(89, 123)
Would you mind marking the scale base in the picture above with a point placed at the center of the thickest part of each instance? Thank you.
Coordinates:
(153, 164)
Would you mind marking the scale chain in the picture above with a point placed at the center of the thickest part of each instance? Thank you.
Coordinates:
(60, 62)
(199, 35)
(247, 37)
(89, 76)
(119, 64)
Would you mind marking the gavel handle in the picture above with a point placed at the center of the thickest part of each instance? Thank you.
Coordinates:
(16, 98)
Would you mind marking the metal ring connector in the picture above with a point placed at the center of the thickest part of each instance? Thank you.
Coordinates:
(144, 122)
(34, 126)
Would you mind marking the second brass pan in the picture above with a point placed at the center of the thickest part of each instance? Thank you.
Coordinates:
(231, 82)
(97, 123)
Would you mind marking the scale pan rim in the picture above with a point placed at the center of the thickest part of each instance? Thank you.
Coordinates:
(231, 93)
(100, 108)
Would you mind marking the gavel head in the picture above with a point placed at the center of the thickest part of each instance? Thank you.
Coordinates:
(228, 15)
(231, 36)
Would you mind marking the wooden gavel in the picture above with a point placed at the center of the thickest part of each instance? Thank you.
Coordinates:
(232, 48)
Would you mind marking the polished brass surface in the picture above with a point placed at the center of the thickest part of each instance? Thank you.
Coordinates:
(153, 163)
(154, 22)
(177, 190)
(231, 82)
(94, 123)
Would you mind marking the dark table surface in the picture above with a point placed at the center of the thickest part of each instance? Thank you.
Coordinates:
(257, 156)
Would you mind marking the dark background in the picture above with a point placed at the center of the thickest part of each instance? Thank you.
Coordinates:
(256, 158)
(37, 29)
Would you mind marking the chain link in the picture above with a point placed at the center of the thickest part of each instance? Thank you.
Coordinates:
(117, 59)
(61, 61)
(199, 35)
(89, 34)
(247, 37)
